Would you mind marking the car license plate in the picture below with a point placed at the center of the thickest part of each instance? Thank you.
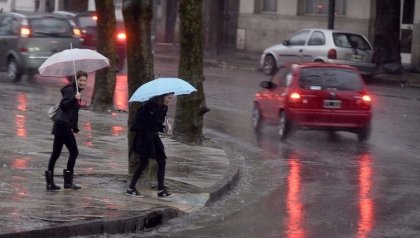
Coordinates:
(332, 103)
(356, 58)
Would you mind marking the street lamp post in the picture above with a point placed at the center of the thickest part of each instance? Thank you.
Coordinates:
(331, 14)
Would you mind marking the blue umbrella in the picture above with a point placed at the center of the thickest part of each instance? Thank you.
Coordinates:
(161, 86)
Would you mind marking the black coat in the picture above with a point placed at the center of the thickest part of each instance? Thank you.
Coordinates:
(66, 121)
(147, 124)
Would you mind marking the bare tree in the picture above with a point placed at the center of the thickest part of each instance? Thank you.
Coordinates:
(103, 94)
(387, 36)
(137, 18)
(191, 108)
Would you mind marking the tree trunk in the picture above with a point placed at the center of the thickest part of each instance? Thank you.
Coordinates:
(387, 36)
(137, 18)
(103, 93)
(171, 14)
(191, 108)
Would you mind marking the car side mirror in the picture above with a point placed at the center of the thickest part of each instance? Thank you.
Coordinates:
(266, 84)
(286, 42)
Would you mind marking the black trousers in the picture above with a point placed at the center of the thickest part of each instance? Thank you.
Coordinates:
(144, 161)
(70, 142)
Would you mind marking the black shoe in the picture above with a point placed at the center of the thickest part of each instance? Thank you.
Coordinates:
(164, 193)
(133, 192)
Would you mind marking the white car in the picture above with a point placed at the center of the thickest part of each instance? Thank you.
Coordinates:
(321, 45)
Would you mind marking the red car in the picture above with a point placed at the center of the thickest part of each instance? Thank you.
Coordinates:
(317, 96)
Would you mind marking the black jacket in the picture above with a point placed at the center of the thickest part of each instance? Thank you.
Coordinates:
(150, 117)
(147, 124)
(67, 118)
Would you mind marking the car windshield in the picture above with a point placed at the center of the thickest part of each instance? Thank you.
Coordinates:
(51, 27)
(348, 40)
(317, 78)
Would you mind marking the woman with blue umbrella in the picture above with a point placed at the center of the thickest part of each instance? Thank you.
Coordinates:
(149, 121)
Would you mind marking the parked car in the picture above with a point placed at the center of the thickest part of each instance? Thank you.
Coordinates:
(321, 45)
(86, 21)
(27, 39)
(319, 96)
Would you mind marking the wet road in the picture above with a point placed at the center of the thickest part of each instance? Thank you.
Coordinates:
(313, 185)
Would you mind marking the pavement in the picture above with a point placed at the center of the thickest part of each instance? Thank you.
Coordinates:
(197, 175)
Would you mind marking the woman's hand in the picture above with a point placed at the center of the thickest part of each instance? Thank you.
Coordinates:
(168, 127)
(78, 96)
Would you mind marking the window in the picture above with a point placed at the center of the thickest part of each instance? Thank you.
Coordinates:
(269, 6)
(348, 40)
(317, 38)
(299, 38)
(314, 78)
(283, 77)
(50, 27)
(320, 7)
(7, 26)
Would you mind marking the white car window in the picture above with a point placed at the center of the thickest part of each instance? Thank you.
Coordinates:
(299, 38)
(317, 38)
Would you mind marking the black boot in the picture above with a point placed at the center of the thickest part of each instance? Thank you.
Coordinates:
(68, 180)
(49, 177)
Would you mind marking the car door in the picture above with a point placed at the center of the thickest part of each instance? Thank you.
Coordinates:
(292, 52)
(275, 100)
(315, 47)
(8, 38)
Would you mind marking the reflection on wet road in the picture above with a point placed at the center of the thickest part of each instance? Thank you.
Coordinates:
(366, 203)
(295, 210)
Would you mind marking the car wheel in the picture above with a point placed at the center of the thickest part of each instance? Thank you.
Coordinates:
(283, 126)
(256, 119)
(364, 133)
(13, 71)
(269, 65)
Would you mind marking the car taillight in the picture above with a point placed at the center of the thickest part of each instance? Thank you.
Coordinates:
(25, 31)
(332, 54)
(365, 102)
(294, 100)
(76, 32)
(23, 50)
(294, 96)
(121, 37)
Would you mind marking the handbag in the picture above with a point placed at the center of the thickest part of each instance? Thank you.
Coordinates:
(52, 112)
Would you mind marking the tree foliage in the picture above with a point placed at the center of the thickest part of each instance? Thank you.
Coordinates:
(137, 19)
(103, 94)
(191, 108)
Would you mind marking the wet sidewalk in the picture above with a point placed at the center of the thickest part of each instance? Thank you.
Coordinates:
(196, 175)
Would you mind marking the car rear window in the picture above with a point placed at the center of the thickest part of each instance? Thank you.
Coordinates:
(51, 27)
(87, 21)
(349, 40)
(317, 78)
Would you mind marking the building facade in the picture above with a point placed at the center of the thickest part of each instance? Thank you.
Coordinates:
(253, 25)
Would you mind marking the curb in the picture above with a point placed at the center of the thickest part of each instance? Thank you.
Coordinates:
(107, 226)
(226, 184)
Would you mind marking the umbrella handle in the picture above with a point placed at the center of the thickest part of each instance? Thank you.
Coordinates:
(74, 69)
